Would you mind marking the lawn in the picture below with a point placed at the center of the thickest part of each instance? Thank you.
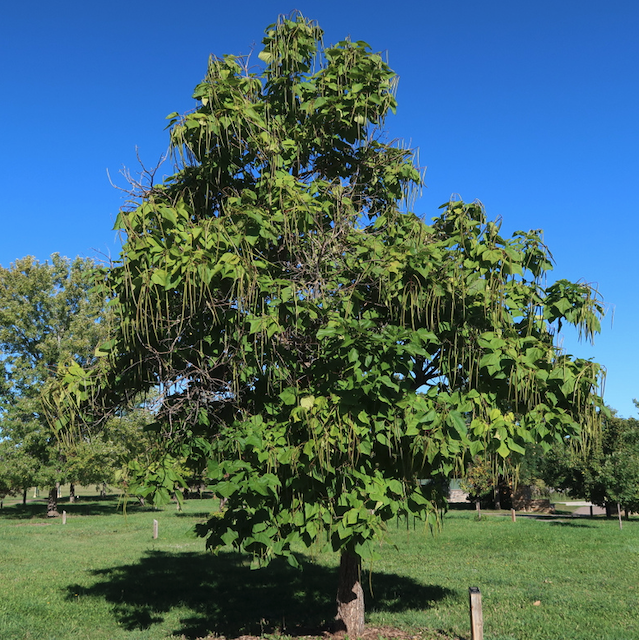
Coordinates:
(102, 576)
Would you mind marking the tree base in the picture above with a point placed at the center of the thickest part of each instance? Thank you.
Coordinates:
(350, 597)
(52, 503)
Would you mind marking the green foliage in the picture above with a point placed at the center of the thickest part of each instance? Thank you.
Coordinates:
(479, 480)
(606, 472)
(113, 453)
(318, 348)
(49, 315)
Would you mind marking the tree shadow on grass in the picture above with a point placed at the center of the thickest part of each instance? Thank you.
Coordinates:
(38, 509)
(86, 506)
(229, 599)
(577, 525)
(25, 511)
(194, 514)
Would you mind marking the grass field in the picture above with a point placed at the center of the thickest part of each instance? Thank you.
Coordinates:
(102, 576)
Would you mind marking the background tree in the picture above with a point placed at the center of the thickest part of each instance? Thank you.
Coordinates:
(606, 473)
(49, 314)
(479, 481)
(21, 464)
(620, 470)
(135, 455)
(318, 345)
(105, 457)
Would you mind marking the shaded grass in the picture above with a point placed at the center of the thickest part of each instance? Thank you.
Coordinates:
(227, 598)
(102, 576)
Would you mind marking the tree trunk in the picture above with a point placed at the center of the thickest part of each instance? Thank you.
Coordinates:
(52, 504)
(497, 498)
(24, 496)
(350, 596)
(478, 506)
(103, 492)
(71, 493)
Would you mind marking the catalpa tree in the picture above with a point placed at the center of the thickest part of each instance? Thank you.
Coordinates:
(317, 347)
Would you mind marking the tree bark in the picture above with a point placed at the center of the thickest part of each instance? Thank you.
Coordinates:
(24, 496)
(52, 503)
(71, 493)
(350, 596)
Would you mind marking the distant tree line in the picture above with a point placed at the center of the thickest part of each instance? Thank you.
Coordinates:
(606, 472)
(51, 314)
(603, 470)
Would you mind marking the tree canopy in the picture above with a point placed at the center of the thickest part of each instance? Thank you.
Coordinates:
(328, 356)
(49, 314)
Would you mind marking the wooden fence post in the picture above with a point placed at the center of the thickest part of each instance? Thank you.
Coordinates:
(155, 529)
(476, 617)
(513, 516)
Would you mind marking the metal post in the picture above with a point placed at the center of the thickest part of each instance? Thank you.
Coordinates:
(476, 618)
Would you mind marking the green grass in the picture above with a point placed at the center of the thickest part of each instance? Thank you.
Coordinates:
(583, 573)
(103, 577)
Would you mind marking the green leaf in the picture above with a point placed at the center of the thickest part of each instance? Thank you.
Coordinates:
(288, 396)
(457, 421)
(503, 450)
(159, 276)
(307, 402)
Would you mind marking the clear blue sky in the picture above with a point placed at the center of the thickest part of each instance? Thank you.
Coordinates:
(531, 107)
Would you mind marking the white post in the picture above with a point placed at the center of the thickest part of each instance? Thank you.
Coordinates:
(64, 517)
(155, 529)
(476, 618)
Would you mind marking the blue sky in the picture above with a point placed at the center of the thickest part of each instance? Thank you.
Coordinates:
(530, 107)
